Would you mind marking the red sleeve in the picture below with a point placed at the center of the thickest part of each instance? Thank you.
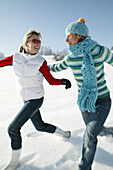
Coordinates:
(45, 70)
(6, 61)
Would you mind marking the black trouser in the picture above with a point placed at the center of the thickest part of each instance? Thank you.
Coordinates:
(31, 111)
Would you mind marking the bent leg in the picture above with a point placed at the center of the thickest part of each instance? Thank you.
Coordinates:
(93, 128)
(45, 127)
(30, 107)
(41, 125)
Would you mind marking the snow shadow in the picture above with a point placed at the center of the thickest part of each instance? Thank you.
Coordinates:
(36, 134)
(29, 167)
(28, 158)
(104, 157)
(67, 161)
(62, 164)
(76, 138)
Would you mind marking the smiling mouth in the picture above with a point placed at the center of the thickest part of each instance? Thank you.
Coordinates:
(36, 48)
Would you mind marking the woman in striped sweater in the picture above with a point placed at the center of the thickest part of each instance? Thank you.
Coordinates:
(86, 61)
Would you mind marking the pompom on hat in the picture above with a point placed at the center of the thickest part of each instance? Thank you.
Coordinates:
(78, 27)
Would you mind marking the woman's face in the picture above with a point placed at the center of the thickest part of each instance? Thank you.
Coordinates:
(73, 39)
(33, 45)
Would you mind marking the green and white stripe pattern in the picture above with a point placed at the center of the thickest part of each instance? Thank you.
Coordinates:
(100, 55)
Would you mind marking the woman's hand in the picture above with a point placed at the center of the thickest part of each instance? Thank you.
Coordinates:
(66, 82)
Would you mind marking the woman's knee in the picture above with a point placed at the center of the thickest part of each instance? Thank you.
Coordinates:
(15, 135)
(90, 136)
(12, 131)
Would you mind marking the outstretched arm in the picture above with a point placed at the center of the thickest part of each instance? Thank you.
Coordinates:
(45, 70)
(62, 65)
(53, 81)
(6, 61)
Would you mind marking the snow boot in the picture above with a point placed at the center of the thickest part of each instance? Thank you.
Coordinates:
(15, 158)
(60, 132)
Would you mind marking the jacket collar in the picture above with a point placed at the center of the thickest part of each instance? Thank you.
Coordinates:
(29, 56)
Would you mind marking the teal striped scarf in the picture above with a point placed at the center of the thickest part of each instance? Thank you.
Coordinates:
(88, 94)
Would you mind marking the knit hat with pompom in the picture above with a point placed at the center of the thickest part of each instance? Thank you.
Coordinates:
(78, 27)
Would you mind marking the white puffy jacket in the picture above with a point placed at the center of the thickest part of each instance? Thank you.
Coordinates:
(30, 79)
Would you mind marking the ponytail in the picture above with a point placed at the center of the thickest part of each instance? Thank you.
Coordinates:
(21, 49)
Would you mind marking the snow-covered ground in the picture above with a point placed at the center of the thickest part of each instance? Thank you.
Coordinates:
(43, 151)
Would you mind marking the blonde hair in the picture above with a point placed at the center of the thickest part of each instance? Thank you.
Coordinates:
(26, 38)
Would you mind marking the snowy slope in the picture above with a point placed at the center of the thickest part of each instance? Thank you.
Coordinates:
(42, 151)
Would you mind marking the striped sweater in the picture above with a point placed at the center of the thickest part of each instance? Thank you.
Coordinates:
(100, 54)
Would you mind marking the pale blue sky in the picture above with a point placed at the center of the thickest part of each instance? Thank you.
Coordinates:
(51, 18)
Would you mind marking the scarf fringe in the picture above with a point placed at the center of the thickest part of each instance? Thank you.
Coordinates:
(87, 99)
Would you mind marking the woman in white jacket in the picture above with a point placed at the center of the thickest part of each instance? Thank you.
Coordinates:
(30, 68)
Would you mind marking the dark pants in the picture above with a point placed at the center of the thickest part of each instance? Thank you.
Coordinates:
(94, 123)
(31, 111)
